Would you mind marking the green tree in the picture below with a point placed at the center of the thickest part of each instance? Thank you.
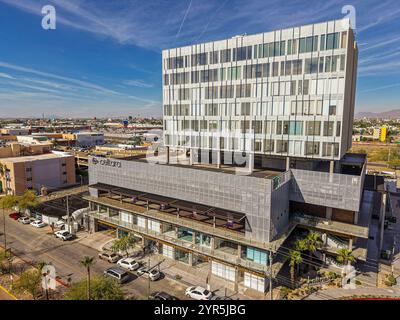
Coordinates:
(345, 256)
(123, 244)
(102, 288)
(30, 282)
(7, 202)
(294, 260)
(313, 243)
(87, 262)
(28, 200)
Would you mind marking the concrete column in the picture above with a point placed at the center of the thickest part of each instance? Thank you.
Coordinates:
(351, 244)
(191, 157)
(287, 163)
(329, 213)
(194, 237)
(251, 162)
(190, 259)
(218, 159)
(239, 252)
(176, 232)
(212, 245)
(236, 279)
(167, 155)
(331, 170)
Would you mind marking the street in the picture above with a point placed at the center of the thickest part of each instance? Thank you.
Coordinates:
(40, 245)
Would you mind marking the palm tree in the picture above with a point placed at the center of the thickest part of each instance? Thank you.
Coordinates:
(294, 260)
(300, 245)
(87, 262)
(345, 256)
(313, 242)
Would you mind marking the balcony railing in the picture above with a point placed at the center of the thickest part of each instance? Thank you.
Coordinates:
(233, 259)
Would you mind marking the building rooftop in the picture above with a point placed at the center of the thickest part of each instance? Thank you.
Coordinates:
(38, 157)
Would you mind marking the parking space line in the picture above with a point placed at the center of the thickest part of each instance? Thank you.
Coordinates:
(8, 292)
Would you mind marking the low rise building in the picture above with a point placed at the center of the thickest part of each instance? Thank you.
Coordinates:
(50, 170)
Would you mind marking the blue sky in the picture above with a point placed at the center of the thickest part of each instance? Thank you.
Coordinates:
(104, 58)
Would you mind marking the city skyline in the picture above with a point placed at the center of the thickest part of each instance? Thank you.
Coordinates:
(117, 69)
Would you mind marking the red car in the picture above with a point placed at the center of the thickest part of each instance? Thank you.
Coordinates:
(14, 215)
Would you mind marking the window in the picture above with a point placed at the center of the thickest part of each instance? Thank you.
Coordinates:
(338, 129)
(245, 111)
(328, 128)
(225, 55)
(313, 128)
(312, 148)
(199, 59)
(275, 69)
(332, 41)
(332, 110)
(242, 53)
(268, 145)
(281, 146)
(311, 65)
(257, 126)
(342, 62)
(329, 149)
(234, 73)
(297, 66)
(214, 57)
(305, 87)
(322, 43)
(296, 128)
(243, 90)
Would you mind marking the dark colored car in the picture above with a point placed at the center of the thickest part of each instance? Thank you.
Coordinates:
(160, 295)
(15, 215)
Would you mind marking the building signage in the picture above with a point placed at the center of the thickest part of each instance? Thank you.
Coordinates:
(107, 162)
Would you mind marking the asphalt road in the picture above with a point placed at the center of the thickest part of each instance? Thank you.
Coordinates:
(40, 245)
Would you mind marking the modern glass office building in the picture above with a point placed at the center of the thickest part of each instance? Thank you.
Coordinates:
(284, 102)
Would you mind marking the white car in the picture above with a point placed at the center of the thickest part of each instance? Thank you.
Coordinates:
(38, 224)
(63, 235)
(24, 220)
(59, 223)
(128, 263)
(153, 274)
(198, 293)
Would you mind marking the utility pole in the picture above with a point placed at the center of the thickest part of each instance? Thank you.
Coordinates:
(270, 276)
(68, 216)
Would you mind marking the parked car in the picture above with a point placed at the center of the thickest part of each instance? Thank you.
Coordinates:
(64, 235)
(59, 223)
(153, 274)
(128, 263)
(25, 220)
(38, 224)
(161, 295)
(118, 274)
(15, 215)
(198, 293)
(109, 256)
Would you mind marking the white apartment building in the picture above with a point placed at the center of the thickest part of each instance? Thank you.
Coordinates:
(287, 93)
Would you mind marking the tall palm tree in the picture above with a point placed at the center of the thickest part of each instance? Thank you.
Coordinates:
(87, 262)
(313, 243)
(294, 260)
(345, 256)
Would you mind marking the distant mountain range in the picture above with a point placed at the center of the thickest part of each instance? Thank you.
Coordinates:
(392, 114)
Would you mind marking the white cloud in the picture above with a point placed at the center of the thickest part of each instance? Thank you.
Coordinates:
(138, 83)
